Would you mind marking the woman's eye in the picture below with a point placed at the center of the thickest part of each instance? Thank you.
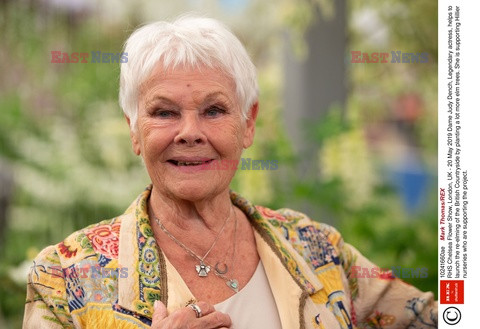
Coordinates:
(214, 111)
(165, 114)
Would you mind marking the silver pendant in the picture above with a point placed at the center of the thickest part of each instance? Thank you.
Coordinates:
(219, 271)
(233, 284)
(202, 269)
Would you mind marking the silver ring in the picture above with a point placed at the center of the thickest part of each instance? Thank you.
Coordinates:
(198, 311)
(217, 268)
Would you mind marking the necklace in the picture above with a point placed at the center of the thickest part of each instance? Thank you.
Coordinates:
(202, 268)
(231, 283)
(222, 267)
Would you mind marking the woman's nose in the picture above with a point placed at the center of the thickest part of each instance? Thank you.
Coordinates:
(190, 132)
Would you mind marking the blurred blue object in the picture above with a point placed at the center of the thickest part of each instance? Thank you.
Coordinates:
(411, 180)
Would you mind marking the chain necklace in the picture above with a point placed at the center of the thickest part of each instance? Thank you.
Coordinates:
(222, 267)
(231, 283)
(202, 268)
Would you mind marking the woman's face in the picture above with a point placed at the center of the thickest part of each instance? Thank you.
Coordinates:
(189, 122)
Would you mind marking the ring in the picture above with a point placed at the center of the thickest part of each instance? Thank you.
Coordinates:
(198, 311)
(217, 268)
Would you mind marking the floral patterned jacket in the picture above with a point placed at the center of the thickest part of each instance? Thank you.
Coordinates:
(108, 275)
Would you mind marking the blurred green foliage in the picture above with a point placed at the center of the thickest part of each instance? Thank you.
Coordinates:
(64, 135)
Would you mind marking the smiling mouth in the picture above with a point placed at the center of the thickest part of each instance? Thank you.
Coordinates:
(189, 163)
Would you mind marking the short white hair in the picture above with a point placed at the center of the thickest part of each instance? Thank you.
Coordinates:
(191, 41)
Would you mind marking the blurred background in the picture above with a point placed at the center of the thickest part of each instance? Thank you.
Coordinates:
(355, 142)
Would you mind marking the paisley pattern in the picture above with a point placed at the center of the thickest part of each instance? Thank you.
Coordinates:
(66, 250)
(104, 239)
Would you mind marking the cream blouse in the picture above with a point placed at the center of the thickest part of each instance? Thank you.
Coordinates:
(253, 307)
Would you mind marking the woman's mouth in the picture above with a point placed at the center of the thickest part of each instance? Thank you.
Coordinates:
(186, 163)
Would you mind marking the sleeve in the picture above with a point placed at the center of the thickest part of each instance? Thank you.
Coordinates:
(380, 300)
(46, 303)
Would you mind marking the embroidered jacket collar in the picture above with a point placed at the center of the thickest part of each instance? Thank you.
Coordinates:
(151, 276)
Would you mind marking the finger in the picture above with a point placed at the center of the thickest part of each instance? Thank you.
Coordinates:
(205, 307)
(216, 320)
(159, 312)
(187, 313)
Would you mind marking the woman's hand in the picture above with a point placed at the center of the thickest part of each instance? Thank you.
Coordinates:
(186, 318)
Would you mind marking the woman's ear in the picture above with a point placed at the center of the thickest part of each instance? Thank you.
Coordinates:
(133, 137)
(250, 126)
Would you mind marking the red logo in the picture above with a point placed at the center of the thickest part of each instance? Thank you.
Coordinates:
(451, 291)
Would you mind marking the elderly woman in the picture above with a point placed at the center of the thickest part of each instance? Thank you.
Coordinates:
(188, 252)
